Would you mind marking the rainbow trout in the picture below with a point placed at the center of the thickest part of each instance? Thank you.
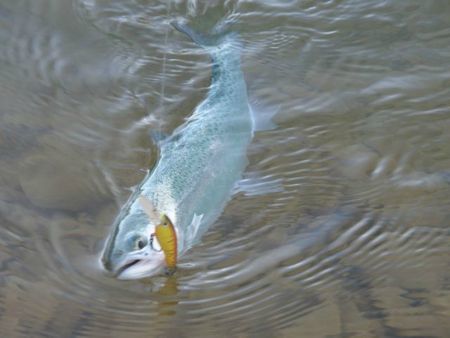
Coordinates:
(198, 167)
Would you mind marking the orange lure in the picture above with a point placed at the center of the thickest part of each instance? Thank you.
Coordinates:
(164, 233)
(167, 238)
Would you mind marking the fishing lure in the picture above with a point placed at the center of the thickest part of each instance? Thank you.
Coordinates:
(164, 233)
(167, 238)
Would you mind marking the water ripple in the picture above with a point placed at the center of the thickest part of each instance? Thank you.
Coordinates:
(340, 218)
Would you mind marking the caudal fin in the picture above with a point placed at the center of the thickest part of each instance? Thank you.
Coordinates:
(222, 46)
(218, 35)
(198, 38)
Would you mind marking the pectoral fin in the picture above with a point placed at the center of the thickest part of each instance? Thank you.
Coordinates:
(262, 115)
(255, 185)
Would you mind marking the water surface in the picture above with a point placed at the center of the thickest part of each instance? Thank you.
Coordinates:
(341, 224)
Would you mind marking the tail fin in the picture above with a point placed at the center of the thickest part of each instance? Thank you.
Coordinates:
(219, 34)
(198, 38)
(223, 47)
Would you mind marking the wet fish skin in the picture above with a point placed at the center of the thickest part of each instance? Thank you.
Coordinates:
(197, 169)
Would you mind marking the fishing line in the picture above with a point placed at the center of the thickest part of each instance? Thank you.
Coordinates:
(163, 71)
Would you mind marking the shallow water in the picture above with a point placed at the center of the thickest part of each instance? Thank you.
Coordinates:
(341, 224)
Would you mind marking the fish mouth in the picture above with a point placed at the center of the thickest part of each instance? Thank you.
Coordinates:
(122, 268)
(139, 267)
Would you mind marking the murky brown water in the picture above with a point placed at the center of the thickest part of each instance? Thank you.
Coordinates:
(343, 229)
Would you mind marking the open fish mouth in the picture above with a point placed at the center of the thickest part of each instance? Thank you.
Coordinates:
(139, 267)
(126, 266)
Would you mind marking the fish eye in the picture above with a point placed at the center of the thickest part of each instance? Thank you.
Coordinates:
(141, 243)
(137, 241)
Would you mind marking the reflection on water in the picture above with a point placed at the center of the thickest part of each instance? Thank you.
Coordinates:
(341, 224)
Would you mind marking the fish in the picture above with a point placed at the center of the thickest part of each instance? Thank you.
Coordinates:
(194, 177)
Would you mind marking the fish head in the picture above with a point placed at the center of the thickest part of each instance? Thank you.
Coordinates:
(131, 251)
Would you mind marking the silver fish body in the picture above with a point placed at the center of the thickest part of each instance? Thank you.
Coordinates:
(196, 172)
